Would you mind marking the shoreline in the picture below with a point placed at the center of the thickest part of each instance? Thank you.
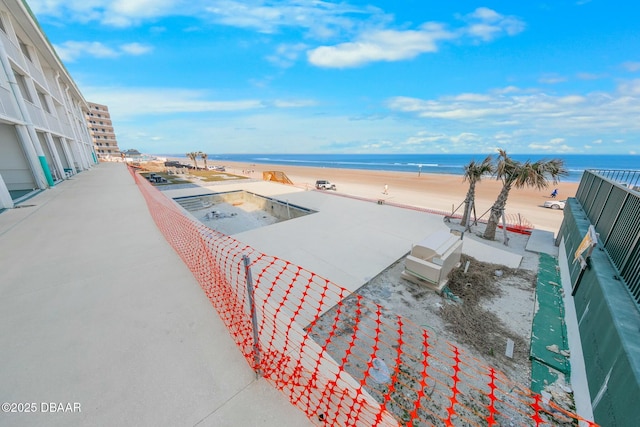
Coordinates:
(435, 163)
(440, 192)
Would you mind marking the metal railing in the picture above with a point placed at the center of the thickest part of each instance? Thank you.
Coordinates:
(611, 201)
(626, 177)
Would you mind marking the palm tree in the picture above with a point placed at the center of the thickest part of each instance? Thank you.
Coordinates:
(204, 156)
(473, 172)
(517, 174)
(193, 156)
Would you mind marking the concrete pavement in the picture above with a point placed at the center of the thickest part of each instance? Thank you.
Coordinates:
(98, 312)
(347, 241)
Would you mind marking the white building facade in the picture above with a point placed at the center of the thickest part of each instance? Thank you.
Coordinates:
(44, 137)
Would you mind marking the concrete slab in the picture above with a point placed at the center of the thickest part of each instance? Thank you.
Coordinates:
(488, 252)
(97, 309)
(347, 241)
(542, 241)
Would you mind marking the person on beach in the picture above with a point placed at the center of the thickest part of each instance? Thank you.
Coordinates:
(386, 189)
(554, 193)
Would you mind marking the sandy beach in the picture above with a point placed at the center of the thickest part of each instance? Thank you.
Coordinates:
(432, 191)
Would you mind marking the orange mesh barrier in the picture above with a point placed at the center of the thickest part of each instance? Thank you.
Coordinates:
(339, 357)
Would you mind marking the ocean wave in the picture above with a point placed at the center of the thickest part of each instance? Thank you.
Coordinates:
(337, 162)
(426, 165)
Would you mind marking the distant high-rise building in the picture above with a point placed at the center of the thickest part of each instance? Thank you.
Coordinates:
(101, 131)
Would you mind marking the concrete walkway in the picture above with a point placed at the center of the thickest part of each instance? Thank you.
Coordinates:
(97, 311)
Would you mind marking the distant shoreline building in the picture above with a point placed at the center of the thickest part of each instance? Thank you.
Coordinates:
(44, 137)
(101, 130)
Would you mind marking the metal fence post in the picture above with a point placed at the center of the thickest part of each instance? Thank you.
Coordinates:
(252, 310)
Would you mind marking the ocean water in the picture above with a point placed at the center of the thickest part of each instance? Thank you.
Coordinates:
(453, 164)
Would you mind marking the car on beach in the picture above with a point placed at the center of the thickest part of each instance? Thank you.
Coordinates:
(323, 184)
(554, 204)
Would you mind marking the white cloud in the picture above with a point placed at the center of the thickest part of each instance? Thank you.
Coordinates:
(71, 50)
(287, 54)
(136, 48)
(551, 79)
(320, 19)
(631, 87)
(472, 97)
(506, 90)
(394, 45)
(443, 142)
(487, 24)
(383, 45)
(294, 103)
(125, 103)
(590, 76)
(551, 147)
(365, 27)
(571, 99)
(631, 66)
(116, 13)
(135, 102)
(534, 112)
(466, 137)
(272, 131)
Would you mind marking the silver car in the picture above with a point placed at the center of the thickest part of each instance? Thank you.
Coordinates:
(555, 204)
(323, 184)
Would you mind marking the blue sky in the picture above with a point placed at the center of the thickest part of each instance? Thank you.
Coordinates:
(314, 76)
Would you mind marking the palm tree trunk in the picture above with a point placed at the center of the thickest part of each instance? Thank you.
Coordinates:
(468, 202)
(496, 213)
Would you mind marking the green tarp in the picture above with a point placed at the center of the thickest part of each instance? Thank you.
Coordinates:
(549, 347)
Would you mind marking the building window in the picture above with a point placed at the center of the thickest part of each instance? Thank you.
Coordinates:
(24, 49)
(22, 84)
(43, 101)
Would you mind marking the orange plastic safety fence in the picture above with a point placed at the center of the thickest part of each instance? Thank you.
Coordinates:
(339, 357)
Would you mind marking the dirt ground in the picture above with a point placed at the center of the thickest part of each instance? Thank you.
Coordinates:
(483, 310)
